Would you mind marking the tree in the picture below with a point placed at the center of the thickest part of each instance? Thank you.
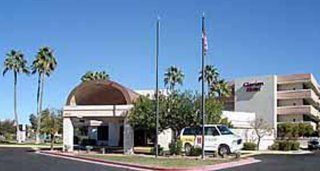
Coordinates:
(261, 129)
(88, 76)
(44, 65)
(7, 128)
(211, 75)
(142, 116)
(177, 111)
(51, 124)
(213, 111)
(220, 89)
(172, 77)
(180, 112)
(33, 121)
(16, 63)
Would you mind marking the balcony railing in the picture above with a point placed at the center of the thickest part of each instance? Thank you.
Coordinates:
(301, 109)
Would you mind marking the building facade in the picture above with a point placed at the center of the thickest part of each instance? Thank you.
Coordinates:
(277, 99)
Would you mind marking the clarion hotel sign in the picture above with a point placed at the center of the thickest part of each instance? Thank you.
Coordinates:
(253, 86)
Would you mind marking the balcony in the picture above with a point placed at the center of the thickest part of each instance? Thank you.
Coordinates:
(306, 79)
(298, 94)
(302, 109)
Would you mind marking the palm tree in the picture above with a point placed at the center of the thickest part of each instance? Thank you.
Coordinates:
(15, 62)
(88, 76)
(211, 75)
(172, 77)
(44, 64)
(220, 89)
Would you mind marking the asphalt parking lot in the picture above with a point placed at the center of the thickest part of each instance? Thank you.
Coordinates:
(24, 159)
(277, 162)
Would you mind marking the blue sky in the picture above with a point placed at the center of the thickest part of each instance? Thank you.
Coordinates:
(246, 37)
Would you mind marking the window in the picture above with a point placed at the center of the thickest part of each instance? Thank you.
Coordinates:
(211, 131)
(224, 130)
(103, 133)
(187, 131)
(190, 131)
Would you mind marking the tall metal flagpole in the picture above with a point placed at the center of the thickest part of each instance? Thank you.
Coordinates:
(202, 86)
(157, 86)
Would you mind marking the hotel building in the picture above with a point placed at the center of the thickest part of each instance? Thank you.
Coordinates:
(277, 99)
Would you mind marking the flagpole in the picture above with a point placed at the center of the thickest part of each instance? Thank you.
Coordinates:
(202, 87)
(157, 86)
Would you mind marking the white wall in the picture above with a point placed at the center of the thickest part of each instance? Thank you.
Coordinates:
(248, 135)
(165, 138)
(239, 119)
(263, 102)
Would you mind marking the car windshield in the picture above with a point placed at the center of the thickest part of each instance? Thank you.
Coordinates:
(224, 130)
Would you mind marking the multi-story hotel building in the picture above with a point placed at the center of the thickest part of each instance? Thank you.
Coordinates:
(276, 99)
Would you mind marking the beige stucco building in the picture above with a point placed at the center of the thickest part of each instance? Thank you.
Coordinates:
(276, 99)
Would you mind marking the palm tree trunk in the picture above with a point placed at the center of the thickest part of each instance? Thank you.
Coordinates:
(39, 104)
(15, 107)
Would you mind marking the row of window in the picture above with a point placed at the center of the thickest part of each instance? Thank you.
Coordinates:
(208, 131)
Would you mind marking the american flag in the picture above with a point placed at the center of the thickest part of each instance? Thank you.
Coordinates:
(204, 38)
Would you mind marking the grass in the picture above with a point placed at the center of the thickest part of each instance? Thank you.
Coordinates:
(160, 162)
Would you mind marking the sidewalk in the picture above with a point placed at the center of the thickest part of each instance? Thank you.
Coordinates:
(134, 166)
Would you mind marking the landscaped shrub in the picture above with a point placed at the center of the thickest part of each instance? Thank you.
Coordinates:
(249, 146)
(160, 150)
(175, 147)
(274, 146)
(195, 151)
(295, 145)
(294, 130)
(285, 145)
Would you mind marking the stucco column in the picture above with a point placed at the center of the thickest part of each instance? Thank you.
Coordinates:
(67, 134)
(128, 138)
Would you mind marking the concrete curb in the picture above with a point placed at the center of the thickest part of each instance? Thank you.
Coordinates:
(142, 167)
(254, 153)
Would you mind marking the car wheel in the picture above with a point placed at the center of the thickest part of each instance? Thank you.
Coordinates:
(187, 148)
(223, 150)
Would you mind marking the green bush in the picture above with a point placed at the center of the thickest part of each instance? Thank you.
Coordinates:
(160, 151)
(294, 130)
(195, 151)
(175, 147)
(295, 145)
(285, 145)
(274, 146)
(249, 146)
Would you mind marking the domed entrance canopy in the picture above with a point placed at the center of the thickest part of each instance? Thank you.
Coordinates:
(101, 92)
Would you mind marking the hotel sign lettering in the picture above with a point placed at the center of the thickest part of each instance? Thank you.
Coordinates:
(253, 86)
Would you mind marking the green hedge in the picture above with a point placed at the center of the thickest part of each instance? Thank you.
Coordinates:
(249, 146)
(294, 130)
(175, 147)
(195, 151)
(285, 145)
(160, 151)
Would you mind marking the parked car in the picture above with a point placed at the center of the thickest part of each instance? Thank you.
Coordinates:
(314, 144)
(218, 138)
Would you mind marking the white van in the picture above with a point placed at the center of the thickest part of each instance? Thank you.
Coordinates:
(218, 138)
